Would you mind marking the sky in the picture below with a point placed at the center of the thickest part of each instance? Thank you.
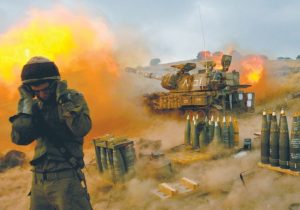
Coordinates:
(176, 29)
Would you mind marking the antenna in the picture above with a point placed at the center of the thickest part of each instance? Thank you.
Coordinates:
(202, 30)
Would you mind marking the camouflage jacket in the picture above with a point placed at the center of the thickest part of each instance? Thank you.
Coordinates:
(65, 120)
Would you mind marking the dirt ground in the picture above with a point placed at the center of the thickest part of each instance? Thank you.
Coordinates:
(220, 183)
(219, 180)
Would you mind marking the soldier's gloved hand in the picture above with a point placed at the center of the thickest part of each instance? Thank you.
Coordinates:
(69, 106)
(67, 100)
(26, 100)
(61, 89)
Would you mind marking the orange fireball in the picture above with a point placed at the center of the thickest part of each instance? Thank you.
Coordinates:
(81, 47)
(84, 50)
(56, 34)
(252, 68)
(217, 58)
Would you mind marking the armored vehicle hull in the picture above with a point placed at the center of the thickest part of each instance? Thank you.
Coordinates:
(206, 101)
(191, 87)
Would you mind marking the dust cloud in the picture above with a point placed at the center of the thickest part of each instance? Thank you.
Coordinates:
(220, 184)
(89, 57)
(114, 100)
(270, 79)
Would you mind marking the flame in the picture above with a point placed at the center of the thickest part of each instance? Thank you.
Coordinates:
(53, 34)
(204, 54)
(252, 68)
(217, 58)
(83, 49)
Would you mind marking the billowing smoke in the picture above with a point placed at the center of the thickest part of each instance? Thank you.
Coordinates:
(270, 79)
(221, 186)
(90, 57)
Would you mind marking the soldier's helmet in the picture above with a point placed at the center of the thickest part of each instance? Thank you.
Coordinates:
(39, 68)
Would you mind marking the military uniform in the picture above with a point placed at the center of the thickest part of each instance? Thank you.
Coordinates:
(58, 127)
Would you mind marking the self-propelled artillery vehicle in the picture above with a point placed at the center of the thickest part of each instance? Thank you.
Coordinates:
(205, 89)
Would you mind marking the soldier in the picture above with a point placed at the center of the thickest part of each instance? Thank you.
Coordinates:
(57, 118)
